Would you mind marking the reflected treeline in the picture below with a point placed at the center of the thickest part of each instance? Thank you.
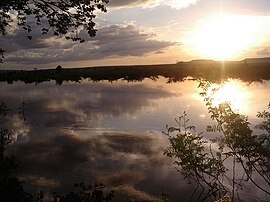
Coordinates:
(210, 70)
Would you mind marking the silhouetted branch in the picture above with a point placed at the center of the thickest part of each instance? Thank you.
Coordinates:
(237, 144)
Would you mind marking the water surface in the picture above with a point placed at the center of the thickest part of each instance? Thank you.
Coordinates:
(111, 132)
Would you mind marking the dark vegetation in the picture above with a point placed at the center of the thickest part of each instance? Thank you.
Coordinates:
(85, 193)
(210, 70)
(60, 18)
(223, 165)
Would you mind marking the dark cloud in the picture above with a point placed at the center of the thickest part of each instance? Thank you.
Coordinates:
(111, 41)
(20, 42)
(17, 40)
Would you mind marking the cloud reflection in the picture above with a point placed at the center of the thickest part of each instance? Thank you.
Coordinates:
(81, 105)
(84, 132)
(59, 152)
(122, 159)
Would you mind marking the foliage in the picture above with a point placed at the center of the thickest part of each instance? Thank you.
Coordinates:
(59, 17)
(187, 147)
(265, 124)
(1, 55)
(88, 193)
(251, 151)
(164, 197)
(236, 146)
(225, 198)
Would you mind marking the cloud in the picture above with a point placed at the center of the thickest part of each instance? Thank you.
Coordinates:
(111, 41)
(17, 40)
(179, 4)
(265, 51)
(260, 7)
(245, 7)
(176, 4)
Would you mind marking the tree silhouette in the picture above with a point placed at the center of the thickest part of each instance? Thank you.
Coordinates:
(212, 163)
(86, 193)
(59, 17)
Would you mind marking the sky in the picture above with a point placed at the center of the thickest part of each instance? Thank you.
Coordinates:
(134, 32)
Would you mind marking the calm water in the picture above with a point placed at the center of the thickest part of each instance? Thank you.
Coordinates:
(112, 132)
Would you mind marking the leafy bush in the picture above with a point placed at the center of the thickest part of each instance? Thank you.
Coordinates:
(237, 145)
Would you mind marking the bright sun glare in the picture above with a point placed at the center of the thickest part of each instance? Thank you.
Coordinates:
(224, 37)
(230, 92)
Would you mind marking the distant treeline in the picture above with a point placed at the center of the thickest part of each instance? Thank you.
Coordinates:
(210, 70)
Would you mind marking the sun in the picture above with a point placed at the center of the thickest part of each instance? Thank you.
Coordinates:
(224, 37)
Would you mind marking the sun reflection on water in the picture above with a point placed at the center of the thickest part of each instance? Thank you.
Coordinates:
(232, 92)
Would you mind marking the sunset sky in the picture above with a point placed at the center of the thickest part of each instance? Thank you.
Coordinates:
(151, 32)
